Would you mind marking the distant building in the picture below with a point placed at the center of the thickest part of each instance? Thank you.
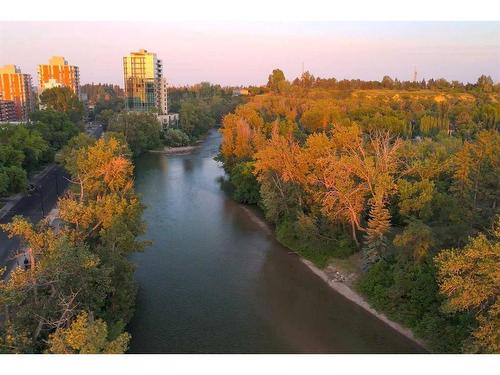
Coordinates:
(58, 73)
(240, 92)
(16, 94)
(145, 87)
(8, 111)
(169, 120)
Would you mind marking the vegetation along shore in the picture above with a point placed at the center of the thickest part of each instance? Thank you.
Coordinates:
(395, 182)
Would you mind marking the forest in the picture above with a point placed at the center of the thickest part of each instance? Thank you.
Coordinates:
(398, 181)
(77, 293)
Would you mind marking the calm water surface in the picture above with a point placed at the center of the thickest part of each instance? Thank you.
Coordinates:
(216, 281)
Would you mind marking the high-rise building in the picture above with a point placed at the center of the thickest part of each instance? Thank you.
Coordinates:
(58, 73)
(145, 87)
(8, 111)
(16, 94)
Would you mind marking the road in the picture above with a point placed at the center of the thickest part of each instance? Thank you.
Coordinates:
(34, 206)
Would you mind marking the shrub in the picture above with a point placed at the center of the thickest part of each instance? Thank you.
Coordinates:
(175, 138)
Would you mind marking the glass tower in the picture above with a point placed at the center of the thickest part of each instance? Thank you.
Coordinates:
(144, 84)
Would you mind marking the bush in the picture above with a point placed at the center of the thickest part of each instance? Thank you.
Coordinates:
(408, 293)
(175, 138)
(246, 187)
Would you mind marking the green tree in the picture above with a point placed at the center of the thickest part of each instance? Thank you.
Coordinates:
(485, 83)
(246, 188)
(141, 130)
(56, 127)
(195, 118)
(276, 81)
(62, 99)
(29, 141)
(175, 138)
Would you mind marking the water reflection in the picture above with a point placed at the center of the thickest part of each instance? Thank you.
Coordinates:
(216, 281)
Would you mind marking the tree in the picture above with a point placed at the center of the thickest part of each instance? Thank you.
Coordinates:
(485, 83)
(83, 267)
(56, 127)
(86, 335)
(276, 81)
(69, 153)
(246, 188)
(175, 138)
(62, 99)
(379, 225)
(104, 117)
(195, 118)
(29, 141)
(469, 278)
(387, 82)
(417, 240)
(141, 130)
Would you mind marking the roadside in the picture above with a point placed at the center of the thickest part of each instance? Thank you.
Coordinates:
(11, 201)
(49, 184)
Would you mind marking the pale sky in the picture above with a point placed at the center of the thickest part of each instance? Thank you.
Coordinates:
(246, 52)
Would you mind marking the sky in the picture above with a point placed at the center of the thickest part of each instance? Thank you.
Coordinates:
(244, 53)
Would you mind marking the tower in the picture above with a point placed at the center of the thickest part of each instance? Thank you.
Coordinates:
(145, 87)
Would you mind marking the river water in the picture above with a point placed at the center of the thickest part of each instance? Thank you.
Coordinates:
(216, 281)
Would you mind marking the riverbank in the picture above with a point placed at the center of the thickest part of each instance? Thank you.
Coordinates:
(337, 278)
(335, 281)
(175, 150)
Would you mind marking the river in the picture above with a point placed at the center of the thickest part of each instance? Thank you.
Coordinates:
(216, 281)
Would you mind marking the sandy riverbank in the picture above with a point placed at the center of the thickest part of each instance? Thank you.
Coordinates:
(342, 283)
(348, 292)
(175, 150)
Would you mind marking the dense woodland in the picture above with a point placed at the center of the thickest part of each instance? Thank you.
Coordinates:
(399, 178)
(77, 292)
(200, 107)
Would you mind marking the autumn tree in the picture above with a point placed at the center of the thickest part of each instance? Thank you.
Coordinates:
(470, 279)
(86, 335)
(83, 267)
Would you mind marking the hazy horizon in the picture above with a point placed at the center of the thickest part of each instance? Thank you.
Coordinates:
(244, 53)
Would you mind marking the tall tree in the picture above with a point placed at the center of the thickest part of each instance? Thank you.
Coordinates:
(62, 99)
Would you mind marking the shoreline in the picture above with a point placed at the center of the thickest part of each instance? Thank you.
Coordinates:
(356, 298)
(175, 150)
(337, 283)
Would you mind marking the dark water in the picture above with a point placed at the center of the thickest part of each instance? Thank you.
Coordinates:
(215, 281)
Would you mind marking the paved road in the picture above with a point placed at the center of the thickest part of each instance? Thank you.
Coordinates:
(33, 206)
